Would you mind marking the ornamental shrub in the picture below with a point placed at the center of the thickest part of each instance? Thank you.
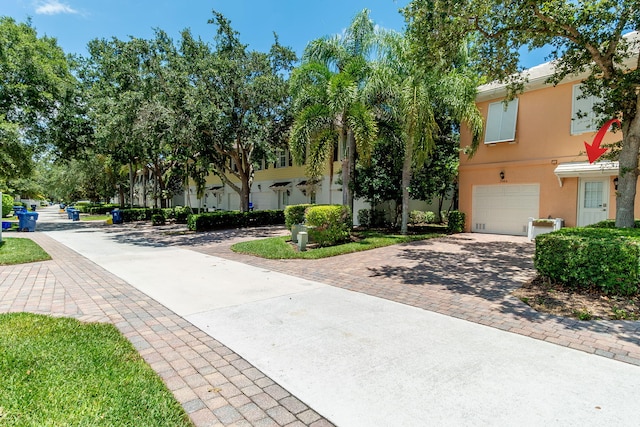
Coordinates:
(455, 222)
(364, 218)
(606, 258)
(294, 214)
(610, 223)
(233, 219)
(101, 209)
(7, 204)
(328, 225)
(421, 217)
(157, 219)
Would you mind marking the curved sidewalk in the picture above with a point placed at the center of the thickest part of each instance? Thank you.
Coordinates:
(215, 385)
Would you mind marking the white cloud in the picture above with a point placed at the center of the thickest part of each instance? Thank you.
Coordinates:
(53, 7)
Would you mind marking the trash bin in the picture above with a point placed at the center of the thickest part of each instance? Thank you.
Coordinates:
(75, 215)
(27, 221)
(70, 212)
(33, 207)
(116, 217)
(17, 209)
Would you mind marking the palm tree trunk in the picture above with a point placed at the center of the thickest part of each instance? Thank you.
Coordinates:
(406, 182)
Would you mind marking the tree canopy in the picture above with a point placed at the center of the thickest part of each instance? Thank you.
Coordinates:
(585, 36)
(35, 86)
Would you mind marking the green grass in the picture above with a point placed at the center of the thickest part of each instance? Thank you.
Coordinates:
(61, 372)
(15, 250)
(280, 247)
(94, 217)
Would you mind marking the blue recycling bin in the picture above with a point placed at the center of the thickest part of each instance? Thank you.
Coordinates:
(75, 215)
(27, 221)
(17, 209)
(70, 212)
(116, 217)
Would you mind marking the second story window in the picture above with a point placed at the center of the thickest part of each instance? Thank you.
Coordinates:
(583, 118)
(501, 122)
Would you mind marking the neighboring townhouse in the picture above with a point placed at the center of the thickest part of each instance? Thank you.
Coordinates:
(281, 183)
(532, 160)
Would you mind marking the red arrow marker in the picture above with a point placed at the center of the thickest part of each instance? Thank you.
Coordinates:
(594, 151)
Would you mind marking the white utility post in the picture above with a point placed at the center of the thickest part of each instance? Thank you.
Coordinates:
(1, 216)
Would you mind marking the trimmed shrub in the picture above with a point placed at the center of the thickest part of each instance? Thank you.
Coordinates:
(101, 209)
(139, 214)
(328, 225)
(364, 218)
(7, 204)
(294, 214)
(610, 223)
(455, 222)
(608, 259)
(234, 219)
(157, 219)
(181, 214)
(420, 217)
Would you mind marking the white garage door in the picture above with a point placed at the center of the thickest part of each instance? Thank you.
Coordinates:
(504, 209)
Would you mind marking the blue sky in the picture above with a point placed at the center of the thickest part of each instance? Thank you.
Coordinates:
(74, 22)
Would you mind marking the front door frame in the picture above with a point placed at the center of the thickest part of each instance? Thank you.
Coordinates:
(592, 215)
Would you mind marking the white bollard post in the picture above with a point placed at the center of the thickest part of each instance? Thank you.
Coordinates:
(302, 241)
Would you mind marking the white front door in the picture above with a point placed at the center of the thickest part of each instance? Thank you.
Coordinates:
(593, 201)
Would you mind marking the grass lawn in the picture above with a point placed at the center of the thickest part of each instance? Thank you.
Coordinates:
(61, 372)
(14, 250)
(280, 247)
(94, 217)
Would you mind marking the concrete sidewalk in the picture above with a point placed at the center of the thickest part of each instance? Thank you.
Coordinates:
(362, 361)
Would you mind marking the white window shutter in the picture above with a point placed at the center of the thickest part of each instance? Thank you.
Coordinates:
(501, 123)
(588, 121)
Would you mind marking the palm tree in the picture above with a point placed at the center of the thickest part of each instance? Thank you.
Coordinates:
(327, 101)
(409, 96)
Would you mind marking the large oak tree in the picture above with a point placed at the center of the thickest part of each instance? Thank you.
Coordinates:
(586, 36)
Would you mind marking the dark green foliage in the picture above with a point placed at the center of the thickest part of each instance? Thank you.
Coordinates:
(233, 219)
(610, 223)
(372, 218)
(328, 225)
(157, 219)
(607, 258)
(294, 214)
(455, 222)
(139, 214)
(100, 209)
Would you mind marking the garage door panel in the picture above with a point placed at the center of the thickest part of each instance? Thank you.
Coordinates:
(504, 209)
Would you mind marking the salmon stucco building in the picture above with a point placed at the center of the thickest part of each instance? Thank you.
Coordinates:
(532, 162)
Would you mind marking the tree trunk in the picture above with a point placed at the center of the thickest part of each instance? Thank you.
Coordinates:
(352, 170)
(131, 184)
(406, 181)
(628, 175)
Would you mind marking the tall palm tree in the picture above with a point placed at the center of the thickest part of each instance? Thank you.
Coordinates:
(409, 96)
(327, 101)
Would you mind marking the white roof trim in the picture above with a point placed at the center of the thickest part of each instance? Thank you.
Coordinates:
(586, 169)
(538, 75)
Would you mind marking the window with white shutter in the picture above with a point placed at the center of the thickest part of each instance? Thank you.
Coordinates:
(583, 119)
(501, 122)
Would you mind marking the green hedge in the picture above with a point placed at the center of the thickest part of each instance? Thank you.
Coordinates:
(101, 209)
(294, 214)
(455, 222)
(329, 225)
(233, 219)
(139, 214)
(606, 258)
